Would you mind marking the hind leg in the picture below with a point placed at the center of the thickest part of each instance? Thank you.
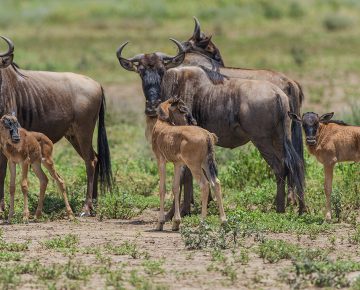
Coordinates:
(83, 145)
(219, 201)
(273, 156)
(36, 166)
(199, 176)
(49, 164)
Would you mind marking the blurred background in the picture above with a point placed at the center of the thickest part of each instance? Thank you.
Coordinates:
(316, 43)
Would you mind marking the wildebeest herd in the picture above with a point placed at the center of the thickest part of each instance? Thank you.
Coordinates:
(193, 101)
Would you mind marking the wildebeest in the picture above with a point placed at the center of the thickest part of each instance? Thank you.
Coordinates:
(330, 141)
(236, 110)
(201, 51)
(58, 105)
(28, 148)
(173, 140)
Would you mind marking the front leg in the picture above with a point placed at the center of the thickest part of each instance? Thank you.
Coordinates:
(12, 167)
(162, 192)
(176, 193)
(3, 165)
(25, 190)
(328, 170)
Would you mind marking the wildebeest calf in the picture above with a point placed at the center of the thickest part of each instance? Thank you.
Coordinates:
(330, 141)
(184, 145)
(24, 147)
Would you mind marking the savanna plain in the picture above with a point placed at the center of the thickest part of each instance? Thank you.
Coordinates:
(316, 43)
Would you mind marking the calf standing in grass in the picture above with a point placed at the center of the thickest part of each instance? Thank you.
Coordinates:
(330, 141)
(174, 141)
(23, 147)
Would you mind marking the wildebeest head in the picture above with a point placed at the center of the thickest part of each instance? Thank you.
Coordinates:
(175, 112)
(201, 43)
(310, 123)
(6, 58)
(10, 123)
(151, 68)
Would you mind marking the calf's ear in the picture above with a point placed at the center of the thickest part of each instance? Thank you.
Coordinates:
(326, 117)
(294, 117)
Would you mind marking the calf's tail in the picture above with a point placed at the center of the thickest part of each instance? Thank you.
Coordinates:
(210, 167)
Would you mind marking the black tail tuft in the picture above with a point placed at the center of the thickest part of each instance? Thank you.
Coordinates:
(104, 161)
(296, 99)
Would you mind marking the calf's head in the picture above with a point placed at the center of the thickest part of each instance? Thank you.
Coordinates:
(11, 125)
(310, 122)
(151, 68)
(201, 43)
(175, 112)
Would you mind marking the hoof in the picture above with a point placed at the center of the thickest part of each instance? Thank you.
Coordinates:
(159, 226)
(175, 225)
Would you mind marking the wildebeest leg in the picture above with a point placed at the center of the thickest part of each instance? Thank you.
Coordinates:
(272, 156)
(328, 170)
(162, 192)
(220, 201)
(176, 193)
(36, 166)
(3, 164)
(204, 187)
(25, 190)
(87, 153)
(96, 177)
(49, 164)
(12, 167)
(291, 197)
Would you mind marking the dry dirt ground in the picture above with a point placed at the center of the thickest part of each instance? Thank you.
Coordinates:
(182, 268)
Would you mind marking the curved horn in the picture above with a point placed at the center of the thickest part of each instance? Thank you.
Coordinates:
(178, 44)
(10, 44)
(127, 64)
(197, 29)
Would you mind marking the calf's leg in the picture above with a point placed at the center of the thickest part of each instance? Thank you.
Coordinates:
(25, 190)
(328, 170)
(49, 164)
(176, 193)
(12, 167)
(220, 201)
(36, 166)
(162, 192)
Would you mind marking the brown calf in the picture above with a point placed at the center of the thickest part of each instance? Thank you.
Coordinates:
(330, 141)
(184, 145)
(23, 147)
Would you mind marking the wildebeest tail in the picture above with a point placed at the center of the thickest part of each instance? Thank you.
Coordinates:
(296, 97)
(293, 162)
(104, 161)
(211, 170)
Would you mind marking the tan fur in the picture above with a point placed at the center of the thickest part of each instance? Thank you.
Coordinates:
(335, 143)
(33, 148)
(183, 145)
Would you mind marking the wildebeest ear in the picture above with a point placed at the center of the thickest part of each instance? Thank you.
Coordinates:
(128, 65)
(294, 117)
(176, 61)
(326, 117)
(5, 61)
(204, 42)
(162, 115)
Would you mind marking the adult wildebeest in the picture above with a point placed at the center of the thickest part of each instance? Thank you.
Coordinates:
(58, 105)
(236, 110)
(330, 141)
(201, 51)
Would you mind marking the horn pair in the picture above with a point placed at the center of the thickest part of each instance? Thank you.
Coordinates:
(138, 57)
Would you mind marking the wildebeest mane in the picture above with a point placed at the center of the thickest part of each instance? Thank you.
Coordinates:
(214, 76)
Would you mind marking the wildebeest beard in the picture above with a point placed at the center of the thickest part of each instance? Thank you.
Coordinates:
(151, 82)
